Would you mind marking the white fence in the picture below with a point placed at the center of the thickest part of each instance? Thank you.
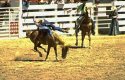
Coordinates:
(9, 22)
(57, 14)
(103, 21)
(14, 24)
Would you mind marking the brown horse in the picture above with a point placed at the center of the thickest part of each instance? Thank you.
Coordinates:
(86, 26)
(51, 41)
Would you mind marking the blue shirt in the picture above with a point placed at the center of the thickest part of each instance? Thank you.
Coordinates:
(41, 26)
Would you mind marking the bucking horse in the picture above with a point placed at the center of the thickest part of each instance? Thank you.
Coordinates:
(51, 41)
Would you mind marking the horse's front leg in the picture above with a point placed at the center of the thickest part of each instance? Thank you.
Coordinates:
(48, 50)
(55, 49)
(83, 37)
(89, 36)
(76, 34)
(35, 48)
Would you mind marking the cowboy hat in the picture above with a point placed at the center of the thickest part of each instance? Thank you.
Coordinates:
(39, 20)
(113, 8)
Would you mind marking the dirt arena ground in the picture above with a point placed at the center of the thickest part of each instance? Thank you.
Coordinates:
(104, 61)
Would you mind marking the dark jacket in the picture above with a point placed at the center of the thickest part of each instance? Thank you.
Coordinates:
(113, 14)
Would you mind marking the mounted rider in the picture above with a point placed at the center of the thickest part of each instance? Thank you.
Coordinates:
(44, 26)
(83, 10)
(41, 26)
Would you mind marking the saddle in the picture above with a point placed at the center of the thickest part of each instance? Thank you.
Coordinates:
(44, 37)
(83, 20)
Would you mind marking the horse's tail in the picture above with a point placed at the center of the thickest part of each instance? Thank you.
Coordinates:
(64, 51)
(64, 46)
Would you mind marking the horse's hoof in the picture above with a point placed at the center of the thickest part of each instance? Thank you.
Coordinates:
(90, 47)
(40, 55)
(76, 44)
(56, 60)
(34, 50)
(83, 47)
(44, 60)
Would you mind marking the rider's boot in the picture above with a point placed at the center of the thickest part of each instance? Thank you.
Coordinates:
(65, 31)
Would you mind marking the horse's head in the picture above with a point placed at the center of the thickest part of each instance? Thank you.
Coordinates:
(86, 14)
(64, 51)
(86, 17)
(28, 33)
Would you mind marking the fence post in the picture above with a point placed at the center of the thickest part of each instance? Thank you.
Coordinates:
(96, 19)
(20, 20)
(96, 26)
(9, 23)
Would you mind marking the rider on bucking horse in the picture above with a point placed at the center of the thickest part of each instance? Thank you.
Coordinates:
(41, 26)
(44, 26)
(82, 8)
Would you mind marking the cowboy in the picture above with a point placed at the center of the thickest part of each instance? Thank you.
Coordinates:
(114, 27)
(41, 26)
(25, 4)
(53, 27)
(83, 9)
(44, 25)
(114, 23)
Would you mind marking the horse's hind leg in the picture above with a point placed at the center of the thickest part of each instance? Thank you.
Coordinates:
(76, 34)
(55, 49)
(48, 50)
(39, 45)
(83, 37)
(89, 36)
(35, 47)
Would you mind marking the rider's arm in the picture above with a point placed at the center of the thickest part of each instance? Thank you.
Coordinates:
(34, 19)
(49, 24)
(120, 7)
(35, 22)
